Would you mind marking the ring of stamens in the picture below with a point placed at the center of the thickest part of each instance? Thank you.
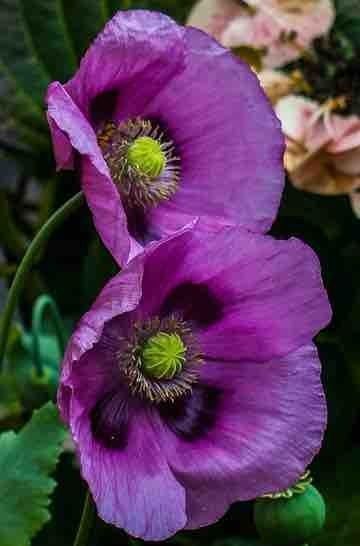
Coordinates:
(149, 387)
(138, 184)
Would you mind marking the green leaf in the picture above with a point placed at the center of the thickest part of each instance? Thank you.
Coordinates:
(19, 61)
(10, 405)
(348, 19)
(23, 79)
(51, 40)
(26, 461)
(85, 19)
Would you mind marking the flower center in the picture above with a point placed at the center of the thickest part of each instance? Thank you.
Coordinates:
(160, 359)
(146, 156)
(163, 355)
(141, 161)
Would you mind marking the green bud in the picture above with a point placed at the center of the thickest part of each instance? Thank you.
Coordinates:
(146, 156)
(163, 355)
(290, 521)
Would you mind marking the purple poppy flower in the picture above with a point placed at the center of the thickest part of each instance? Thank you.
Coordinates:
(166, 125)
(193, 382)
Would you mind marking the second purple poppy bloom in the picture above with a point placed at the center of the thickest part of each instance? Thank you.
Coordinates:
(193, 382)
(166, 125)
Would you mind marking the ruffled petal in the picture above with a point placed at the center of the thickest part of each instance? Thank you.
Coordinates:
(213, 16)
(266, 296)
(265, 27)
(133, 488)
(129, 62)
(275, 300)
(120, 296)
(227, 137)
(127, 472)
(270, 422)
(71, 128)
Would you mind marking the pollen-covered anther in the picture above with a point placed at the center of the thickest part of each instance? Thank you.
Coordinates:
(141, 161)
(160, 360)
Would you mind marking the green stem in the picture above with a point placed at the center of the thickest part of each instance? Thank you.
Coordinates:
(86, 522)
(46, 305)
(28, 261)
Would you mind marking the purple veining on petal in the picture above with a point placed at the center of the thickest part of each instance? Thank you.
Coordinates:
(110, 420)
(252, 414)
(193, 416)
(227, 137)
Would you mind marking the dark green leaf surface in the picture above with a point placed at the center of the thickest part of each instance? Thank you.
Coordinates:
(348, 19)
(84, 19)
(26, 460)
(52, 42)
(19, 61)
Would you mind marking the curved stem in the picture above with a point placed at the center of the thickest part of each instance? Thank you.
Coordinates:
(44, 304)
(86, 522)
(28, 261)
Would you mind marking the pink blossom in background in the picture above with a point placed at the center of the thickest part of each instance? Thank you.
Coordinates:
(284, 28)
(322, 148)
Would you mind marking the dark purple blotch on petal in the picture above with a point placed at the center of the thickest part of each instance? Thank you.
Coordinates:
(103, 107)
(110, 420)
(194, 302)
(139, 227)
(193, 416)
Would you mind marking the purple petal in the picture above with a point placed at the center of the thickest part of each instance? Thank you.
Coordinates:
(120, 296)
(265, 296)
(132, 484)
(70, 126)
(227, 135)
(269, 425)
(133, 57)
(210, 104)
(63, 150)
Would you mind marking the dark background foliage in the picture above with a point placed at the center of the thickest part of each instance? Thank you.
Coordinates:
(42, 40)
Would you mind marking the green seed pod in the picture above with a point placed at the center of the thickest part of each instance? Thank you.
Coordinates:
(290, 521)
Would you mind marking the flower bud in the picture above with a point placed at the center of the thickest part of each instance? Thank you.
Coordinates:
(290, 521)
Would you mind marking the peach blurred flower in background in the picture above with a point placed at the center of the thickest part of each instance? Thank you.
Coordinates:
(322, 147)
(280, 29)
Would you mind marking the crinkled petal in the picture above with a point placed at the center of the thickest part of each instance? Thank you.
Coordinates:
(132, 484)
(213, 16)
(346, 135)
(270, 293)
(63, 150)
(265, 27)
(69, 126)
(121, 295)
(301, 121)
(131, 60)
(270, 423)
(227, 137)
